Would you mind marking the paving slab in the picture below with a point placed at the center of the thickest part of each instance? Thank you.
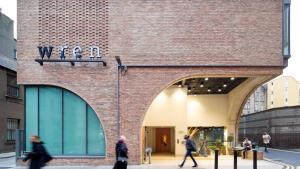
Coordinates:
(172, 163)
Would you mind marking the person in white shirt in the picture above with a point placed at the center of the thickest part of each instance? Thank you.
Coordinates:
(247, 146)
(266, 140)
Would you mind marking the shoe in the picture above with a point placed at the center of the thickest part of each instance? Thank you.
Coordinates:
(180, 166)
(195, 166)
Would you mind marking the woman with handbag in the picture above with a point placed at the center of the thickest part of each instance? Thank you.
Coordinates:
(121, 154)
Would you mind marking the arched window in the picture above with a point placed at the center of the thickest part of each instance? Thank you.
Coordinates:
(66, 124)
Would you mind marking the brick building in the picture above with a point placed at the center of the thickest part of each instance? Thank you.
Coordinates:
(11, 94)
(214, 52)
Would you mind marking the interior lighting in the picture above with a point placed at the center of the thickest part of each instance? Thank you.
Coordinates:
(232, 79)
(206, 79)
(219, 90)
(224, 85)
(201, 85)
(209, 90)
(179, 86)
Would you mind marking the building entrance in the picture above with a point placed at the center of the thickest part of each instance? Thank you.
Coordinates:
(163, 140)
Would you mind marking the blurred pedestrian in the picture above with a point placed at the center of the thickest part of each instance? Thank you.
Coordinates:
(190, 147)
(266, 139)
(247, 146)
(121, 154)
(38, 156)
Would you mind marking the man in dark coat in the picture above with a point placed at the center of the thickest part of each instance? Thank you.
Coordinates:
(190, 146)
(39, 156)
(121, 154)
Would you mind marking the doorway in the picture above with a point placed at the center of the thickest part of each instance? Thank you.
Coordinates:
(160, 139)
(163, 140)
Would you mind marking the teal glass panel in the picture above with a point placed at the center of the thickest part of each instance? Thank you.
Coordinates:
(50, 117)
(74, 124)
(31, 118)
(96, 140)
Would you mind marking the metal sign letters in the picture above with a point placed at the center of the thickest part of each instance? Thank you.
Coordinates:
(95, 55)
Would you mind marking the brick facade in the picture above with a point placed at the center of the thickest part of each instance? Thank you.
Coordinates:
(240, 33)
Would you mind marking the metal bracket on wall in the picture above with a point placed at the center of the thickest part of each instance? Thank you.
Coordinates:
(72, 61)
(122, 67)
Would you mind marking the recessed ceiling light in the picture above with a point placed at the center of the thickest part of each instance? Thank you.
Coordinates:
(201, 85)
(179, 85)
(206, 79)
(209, 90)
(225, 85)
(219, 90)
(232, 78)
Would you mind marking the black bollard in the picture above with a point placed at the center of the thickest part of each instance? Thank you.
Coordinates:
(235, 159)
(254, 159)
(216, 158)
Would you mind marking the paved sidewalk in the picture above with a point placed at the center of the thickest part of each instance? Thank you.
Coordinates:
(225, 162)
(7, 155)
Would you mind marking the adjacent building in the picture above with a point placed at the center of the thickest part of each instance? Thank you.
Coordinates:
(150, 70)
(282, 91)
(11, 94)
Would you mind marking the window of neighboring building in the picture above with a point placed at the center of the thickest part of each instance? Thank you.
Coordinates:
(286, 29)
(65, 122)
(12, 87)
(15, 54)
(11, 125)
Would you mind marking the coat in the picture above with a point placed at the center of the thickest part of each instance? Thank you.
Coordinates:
(190, 145)
(121, 150)
(38, 157)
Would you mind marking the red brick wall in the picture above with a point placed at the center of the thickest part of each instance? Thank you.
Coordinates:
(144, 32)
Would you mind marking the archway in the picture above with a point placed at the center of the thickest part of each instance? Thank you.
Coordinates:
(206, 107)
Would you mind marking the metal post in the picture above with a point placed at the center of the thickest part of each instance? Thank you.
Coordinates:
(254, 159)
(18, 143)
(235, 159)
(216, 158)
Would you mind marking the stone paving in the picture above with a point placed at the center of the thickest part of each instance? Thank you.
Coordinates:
(225, 162)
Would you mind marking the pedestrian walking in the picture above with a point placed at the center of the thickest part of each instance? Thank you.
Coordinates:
(121, 154)
(266, 139)
(190, 147)
(39, 156)
(247, 146)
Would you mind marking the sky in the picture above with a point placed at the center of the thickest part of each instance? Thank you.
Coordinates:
(9, 7)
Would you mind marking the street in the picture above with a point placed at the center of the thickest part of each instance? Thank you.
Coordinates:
(7, 162)
(288, 157)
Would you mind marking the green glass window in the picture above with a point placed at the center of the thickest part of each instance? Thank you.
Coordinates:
(31, 114)
(286, 29)
(65, 122)
(50, 121)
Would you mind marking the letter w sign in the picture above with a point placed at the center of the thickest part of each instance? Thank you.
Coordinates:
(45, 50)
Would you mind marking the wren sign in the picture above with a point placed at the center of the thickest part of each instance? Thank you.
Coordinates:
(76, 51)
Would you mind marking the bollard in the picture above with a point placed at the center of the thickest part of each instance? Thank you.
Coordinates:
(235, 159)
(254, 159)
(216, 158)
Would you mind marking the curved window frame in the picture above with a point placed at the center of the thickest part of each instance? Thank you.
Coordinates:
(88, 111)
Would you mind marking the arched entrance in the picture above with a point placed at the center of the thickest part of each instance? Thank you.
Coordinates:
(140, 86)
(207, 108)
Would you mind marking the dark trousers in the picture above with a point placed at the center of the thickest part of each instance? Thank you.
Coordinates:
(120, 165)
(189, 153)
(266, 147)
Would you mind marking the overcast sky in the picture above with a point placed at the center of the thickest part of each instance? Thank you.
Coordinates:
(9, 8)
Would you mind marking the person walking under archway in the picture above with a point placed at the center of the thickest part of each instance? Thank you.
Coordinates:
(190, 147)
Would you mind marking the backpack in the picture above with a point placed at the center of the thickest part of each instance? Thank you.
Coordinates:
(194, 148)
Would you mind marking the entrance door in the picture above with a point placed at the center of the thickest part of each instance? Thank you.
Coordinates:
(163, 140)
